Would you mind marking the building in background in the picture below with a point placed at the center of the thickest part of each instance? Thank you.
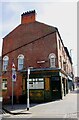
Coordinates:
(0, 78)
(77, 81)
(38, 46)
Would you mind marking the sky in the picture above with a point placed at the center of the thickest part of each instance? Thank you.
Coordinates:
(60, 14)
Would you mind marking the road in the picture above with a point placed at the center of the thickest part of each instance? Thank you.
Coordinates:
(66, 108)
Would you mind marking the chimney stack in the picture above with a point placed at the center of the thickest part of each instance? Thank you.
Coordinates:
(28, 17)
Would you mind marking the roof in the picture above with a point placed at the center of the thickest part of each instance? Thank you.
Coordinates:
(25, 34)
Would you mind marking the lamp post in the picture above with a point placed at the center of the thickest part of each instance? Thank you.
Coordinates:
(28, 73)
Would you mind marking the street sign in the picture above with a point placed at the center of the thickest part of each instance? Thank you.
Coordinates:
(13, 65)
(13, 75)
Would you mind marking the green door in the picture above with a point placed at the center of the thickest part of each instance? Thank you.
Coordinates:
(55, 88)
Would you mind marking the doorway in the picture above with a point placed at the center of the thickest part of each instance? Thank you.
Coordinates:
(55, 88)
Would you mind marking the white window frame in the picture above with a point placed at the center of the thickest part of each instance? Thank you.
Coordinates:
(5, 63)
(20, 62)
(52, 58)
(4, 83)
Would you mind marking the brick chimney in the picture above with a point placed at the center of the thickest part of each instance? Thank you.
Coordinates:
(28, 17)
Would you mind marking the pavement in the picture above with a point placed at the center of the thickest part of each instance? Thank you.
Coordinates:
(66, 108)
(16, 109)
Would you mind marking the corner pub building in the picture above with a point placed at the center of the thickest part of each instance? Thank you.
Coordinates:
(38, 46)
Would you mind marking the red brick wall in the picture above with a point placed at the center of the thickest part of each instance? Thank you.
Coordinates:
(17, 86)
(36, 51)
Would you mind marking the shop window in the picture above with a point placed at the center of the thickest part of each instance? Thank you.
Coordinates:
(5, 63)
(36, 83)
(52, 59)
(20, 62)
(4, 84)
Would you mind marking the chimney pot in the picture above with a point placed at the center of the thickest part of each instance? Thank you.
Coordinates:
(28, 17)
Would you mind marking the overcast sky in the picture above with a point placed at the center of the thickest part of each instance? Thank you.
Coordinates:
(62, 15)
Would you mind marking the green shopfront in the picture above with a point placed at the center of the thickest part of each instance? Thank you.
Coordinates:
(45, 84)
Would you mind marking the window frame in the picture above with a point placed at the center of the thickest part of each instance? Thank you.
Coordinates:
(5, 63)
(4, 82)
(20, 61)
(52, 58)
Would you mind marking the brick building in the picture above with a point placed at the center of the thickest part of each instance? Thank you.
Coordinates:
(0, 76)
(39, 46)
